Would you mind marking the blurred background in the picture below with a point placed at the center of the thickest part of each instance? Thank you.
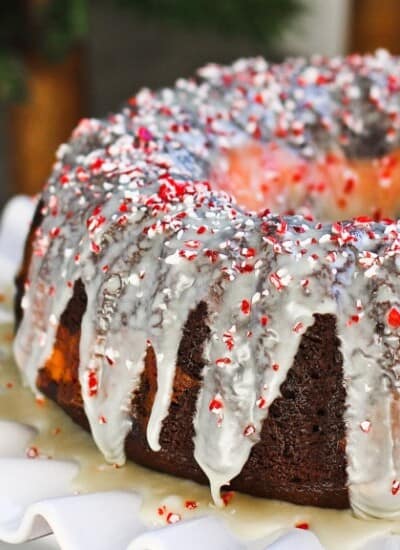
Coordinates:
(64, 59)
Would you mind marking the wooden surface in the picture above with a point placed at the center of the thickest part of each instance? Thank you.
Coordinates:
(55, 102)
(375, 24)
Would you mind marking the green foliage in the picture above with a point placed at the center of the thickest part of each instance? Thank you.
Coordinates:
(11, 77)
(60, 24)
(262, 20)
(51, 28)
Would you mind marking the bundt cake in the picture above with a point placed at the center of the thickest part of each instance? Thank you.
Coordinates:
(189, 296)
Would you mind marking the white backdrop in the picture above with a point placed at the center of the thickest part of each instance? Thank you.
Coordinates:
(324, 28)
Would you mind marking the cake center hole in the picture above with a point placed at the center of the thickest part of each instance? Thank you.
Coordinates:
(330, 188)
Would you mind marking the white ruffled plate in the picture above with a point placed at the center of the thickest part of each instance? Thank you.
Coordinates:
(36, 497)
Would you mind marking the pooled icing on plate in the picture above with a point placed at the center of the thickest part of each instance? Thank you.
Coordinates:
(166, 499)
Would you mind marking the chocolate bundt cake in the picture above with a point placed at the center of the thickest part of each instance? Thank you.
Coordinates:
(188, 295)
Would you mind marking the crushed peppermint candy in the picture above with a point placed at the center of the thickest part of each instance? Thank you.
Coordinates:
(173, 517)
(395, 487)
(32, 452)
(216, 404)
(393, 317)
(365, 426)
